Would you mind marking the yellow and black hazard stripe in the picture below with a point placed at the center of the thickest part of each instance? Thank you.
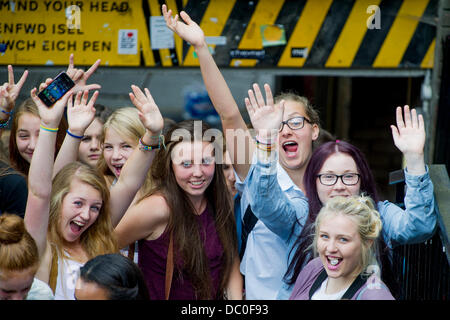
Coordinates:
(318, 33)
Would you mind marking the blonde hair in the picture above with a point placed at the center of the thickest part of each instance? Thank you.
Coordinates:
(99, 237)
(311, 113)
(125, 121)
(361, 209)
(18, 250)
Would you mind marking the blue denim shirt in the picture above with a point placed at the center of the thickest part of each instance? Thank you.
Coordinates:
(278, 209)
(265, 260)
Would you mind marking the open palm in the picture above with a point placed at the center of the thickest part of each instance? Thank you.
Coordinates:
(264, 115)
(80, 112)
(148, 110)
(409, 134)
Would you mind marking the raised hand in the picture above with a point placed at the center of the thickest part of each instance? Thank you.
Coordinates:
(10, 90)
(81, 77)
(409, 138)
(187, 30)
(148, 111)
(80, 112)
(50, 116)
(264, 115)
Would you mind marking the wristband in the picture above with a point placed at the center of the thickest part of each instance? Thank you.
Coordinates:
(49, 129)
(6, 112)
(73, 135)
(145, 147)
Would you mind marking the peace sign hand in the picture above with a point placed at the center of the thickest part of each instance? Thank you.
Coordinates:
(81, 77)
(9, 91)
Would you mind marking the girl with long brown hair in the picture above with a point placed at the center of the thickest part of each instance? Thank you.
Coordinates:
(189, 207)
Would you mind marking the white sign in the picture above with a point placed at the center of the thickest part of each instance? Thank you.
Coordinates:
(161, 36)
(127, 41)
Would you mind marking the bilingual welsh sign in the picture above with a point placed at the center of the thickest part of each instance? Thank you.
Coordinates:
(45, 32)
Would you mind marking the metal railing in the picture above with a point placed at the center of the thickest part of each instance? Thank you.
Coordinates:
(423, 269)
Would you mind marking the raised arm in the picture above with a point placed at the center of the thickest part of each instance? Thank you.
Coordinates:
(9, 92)
(41, 168)
(135, 169)
(232, 122)
(417, 222)
(80, 114)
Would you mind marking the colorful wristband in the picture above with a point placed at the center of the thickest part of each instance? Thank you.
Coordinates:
(73, 135)
(6, 112)
(49, 129)
(145, 147)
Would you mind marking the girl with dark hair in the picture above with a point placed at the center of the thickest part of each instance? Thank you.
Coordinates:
(340, 169)
(263, 278)
(188, 207)
(111, 277)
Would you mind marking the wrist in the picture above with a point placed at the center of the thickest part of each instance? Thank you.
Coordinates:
(76, 132)
(200, 47)
(151, 138)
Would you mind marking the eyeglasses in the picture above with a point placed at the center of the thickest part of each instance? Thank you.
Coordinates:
(294, 123)
(329, 179)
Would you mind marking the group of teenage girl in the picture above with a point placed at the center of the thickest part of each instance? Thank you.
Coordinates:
(297, 220)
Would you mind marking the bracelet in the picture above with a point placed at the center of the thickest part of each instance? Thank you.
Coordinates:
(6, 112)
(145, 147)
(264, 146)
(49, 129)
(4, 124)
(74, 136)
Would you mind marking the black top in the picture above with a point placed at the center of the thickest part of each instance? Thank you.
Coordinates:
(13, 191)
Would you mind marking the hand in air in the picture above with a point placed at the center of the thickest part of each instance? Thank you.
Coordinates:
(148, 111)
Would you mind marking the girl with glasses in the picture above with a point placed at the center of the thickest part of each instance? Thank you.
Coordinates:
(340, 169)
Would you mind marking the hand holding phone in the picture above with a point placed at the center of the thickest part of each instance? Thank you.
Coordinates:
(56, 89)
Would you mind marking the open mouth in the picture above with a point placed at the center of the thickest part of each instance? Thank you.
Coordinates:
(76, 227)
(290, 147)
(117, 168)
(333, 262)
(197, 184)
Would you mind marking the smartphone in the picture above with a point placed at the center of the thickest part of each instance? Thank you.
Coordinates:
(56, 89)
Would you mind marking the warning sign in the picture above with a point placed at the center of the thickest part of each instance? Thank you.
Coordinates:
(44, 32)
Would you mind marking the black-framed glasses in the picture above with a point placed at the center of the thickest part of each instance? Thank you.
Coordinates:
(330, 179)
(294, 123)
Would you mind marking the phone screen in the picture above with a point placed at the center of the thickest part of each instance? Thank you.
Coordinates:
(56, 89)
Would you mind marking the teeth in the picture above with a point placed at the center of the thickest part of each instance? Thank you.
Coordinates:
(289, 143)
(334, 262)
(78, 223)
(197, 183)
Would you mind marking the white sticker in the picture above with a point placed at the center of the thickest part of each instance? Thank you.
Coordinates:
(218, 41)
(160, 35)
(128, 40)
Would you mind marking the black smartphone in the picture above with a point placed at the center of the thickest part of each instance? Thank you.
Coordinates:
(56, 89)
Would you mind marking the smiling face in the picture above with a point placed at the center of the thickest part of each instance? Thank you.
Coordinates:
(295, 146)
(89, 151)
(339, 247)
(337, 163)
(15, 285)
(116, 150)
(80, 209)
(27, 134)
(194, 167)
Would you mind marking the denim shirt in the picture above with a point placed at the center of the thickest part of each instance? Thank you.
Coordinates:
(276, 209)
(265, 260)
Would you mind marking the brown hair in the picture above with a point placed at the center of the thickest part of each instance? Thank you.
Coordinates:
(18, 250)
(182, 221)
(16, 160)
(99, 237)
(311, 113)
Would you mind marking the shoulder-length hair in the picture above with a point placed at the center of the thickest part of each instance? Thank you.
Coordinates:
(183, 222)
(99, 237)
(15, 159)
(302, 253)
